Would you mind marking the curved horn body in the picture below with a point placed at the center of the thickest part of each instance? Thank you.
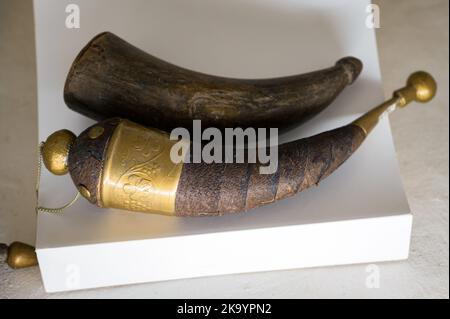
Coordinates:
(111, 78)
(216, 189)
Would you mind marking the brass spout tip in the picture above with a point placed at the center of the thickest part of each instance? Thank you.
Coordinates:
(420, 87)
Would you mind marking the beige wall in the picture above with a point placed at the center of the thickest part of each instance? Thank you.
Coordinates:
(18, 121)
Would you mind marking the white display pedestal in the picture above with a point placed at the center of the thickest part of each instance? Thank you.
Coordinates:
(359, 214)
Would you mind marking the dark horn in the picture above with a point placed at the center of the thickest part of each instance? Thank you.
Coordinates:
(112, 78)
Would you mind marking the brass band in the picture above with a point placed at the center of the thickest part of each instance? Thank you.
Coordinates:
(369, 120)
(138, 174)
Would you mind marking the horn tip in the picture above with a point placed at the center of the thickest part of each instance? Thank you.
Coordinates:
(353, 67)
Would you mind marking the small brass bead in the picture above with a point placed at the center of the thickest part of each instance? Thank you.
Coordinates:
(96, 132)
(84, 192)
(55, 151)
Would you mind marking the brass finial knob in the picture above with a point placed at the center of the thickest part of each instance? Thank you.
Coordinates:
(424, 85)
(55, 151)
(420, 87)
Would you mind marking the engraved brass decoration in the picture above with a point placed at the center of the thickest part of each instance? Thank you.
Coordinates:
(138, 174)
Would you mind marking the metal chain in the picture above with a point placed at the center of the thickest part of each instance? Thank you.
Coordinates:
(40, 209)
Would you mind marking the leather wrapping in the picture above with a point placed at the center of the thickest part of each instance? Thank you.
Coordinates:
(216, 189)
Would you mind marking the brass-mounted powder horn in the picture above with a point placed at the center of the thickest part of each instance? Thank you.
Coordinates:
(119, 164)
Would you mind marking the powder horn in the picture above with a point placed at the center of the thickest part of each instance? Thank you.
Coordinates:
(112, 78)
(117, 163)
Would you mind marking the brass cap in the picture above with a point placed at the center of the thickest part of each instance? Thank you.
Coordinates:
(420, 87)
(21, 255)
(55, 151)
